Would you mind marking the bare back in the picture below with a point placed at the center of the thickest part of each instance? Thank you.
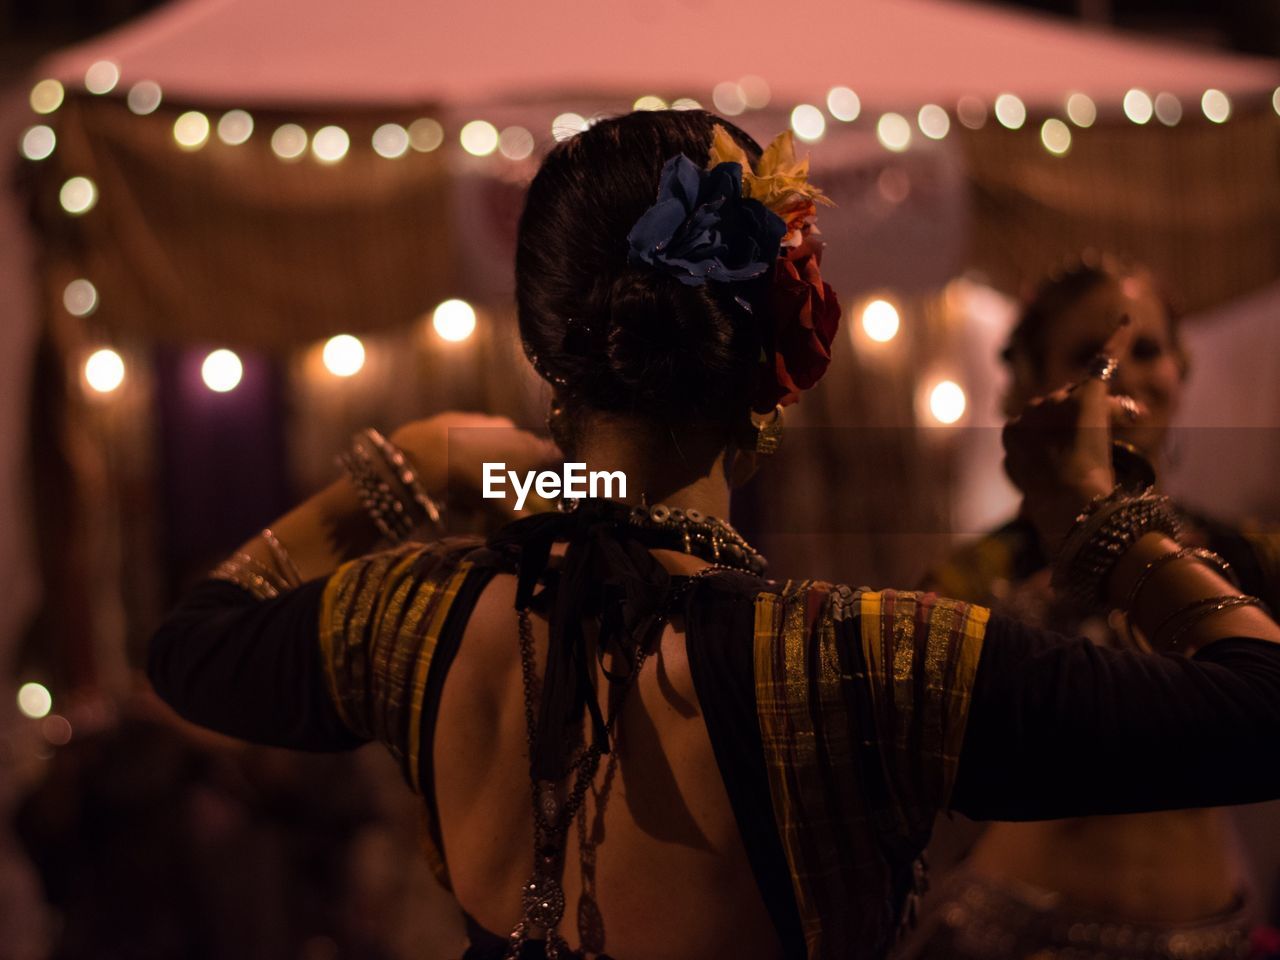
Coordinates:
(664, 870)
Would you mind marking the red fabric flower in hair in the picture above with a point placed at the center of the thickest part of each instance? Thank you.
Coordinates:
(806, 315)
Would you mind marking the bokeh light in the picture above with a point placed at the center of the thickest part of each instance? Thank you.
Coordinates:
(971, 112)
(221, 371)
(235, 127)
(1010, 111)
(104, 370)
(728, 98)
(391, 140)
(568, 125)
(38, 142)
(191, 130)
(343, 355)
(330, 144)
(144, 97)
(1275, 100)
(46, 96)
(454, 320)
(649, 102)
(808, 122)
(34, 700)
(947, 402)
(1216, 105)
(685, 103)
(755, 90)
(933, 121)
(1081, 110)
(880, 320)
(1138, 106)
(843, 104)
(894, 132)
(425, 134)
(101, 77)
(289, 141)
(56, 730)
(479, 138)
(515, 143)
(80, 297)
(1056, 136)
(1168, 109)
(78, 195)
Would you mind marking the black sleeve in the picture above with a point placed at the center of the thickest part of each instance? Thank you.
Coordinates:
(1061, 727)
(249, 668)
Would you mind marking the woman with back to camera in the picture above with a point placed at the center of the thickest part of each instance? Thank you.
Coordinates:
(1155, 885)
(627, 740)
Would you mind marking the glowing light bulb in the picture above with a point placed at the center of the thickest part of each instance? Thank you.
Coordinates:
(515, 143)
(391, 140)
(425, 135)
(947, 402)
(38, 142)
(454, 320)
(843, 104)
(894, 132)
(1216, 105)
(34, 700)
(649, 102)
(1168, 109)
(808, 122)
(101, 77)
(568, 125)
(104, 370)
(1275, 100)
(235, 127)
(330, 144)
(343, 355)
(191, 130)
(1010, 111)
(80, 297)
(144, 97)
(289, 141)
(933, 121)
(221, 371)
(78, 195)
(46, 96)
(755, 90)
(1081, 110)
(729, 98)
(880, 321)
(1056, 136)
(1138, 106)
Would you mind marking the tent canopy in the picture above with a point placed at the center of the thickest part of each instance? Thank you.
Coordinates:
(892, 52)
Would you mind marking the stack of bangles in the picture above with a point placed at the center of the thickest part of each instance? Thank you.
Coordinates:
(391, 492)
(389, 487)
(1104, 531)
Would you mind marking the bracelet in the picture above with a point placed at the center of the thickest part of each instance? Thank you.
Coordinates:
(281, 556)
(383, 506)
(1200, 553)
(243, 570)
(1103, 532)
(1196, 611)
(406, 474)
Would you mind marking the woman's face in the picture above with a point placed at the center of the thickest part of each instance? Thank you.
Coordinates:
(1152, 371)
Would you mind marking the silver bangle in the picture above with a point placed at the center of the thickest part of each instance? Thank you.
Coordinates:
(281, 557)
(244, 571)
(1196, 611)
(1200, 553)
(406, 474)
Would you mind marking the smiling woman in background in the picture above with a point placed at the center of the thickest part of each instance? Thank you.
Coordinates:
(626, 738)
(1156, 885)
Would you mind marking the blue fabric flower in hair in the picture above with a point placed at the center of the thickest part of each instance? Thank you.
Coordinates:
(702, 228)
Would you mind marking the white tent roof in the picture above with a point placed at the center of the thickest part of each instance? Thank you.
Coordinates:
(892, 52)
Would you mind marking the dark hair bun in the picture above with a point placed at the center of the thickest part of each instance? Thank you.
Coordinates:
(616, 337)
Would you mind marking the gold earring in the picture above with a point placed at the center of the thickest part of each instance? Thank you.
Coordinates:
(558, 427)
(764, 432)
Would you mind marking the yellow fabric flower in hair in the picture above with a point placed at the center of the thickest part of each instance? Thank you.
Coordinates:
(780, 181)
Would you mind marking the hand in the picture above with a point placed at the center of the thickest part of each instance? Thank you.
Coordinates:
(1058, 451)
(449, 451)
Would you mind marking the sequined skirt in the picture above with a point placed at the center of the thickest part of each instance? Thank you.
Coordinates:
(978, 918)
